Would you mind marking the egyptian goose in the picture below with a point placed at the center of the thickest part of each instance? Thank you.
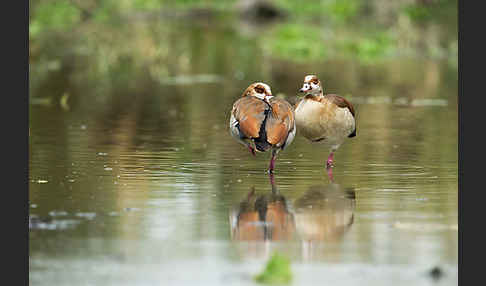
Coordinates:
(328, 119)
(262, 122)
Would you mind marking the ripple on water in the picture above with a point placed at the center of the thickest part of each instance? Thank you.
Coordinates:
(38, 223)
(87, 215)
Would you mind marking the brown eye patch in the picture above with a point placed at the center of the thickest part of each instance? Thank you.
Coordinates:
(315, 81)
(259, 89)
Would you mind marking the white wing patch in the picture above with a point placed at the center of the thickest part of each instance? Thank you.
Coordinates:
(235, 132)
(291, 136)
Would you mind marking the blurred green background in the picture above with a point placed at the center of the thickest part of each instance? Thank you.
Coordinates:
(165, 37)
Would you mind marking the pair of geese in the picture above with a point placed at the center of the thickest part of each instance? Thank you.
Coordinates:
(262, 122)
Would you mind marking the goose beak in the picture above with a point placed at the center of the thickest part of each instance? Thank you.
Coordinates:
(267, 99)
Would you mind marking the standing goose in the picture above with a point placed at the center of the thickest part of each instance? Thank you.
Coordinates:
(328, 119)
(262, 122)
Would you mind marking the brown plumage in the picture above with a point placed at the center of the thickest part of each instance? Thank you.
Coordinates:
(250, 111)
(325, 118)
(280, 122)
(262, 122)
(340, 102)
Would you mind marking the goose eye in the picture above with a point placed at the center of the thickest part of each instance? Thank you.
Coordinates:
(259, 89)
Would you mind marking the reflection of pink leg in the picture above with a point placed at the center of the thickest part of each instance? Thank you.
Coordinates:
(330, 160)
(251, 193)
(272, 180)
(329, 174)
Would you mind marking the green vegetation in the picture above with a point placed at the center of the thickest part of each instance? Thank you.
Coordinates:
(331, 10)
(369, 48)
(277, 271)
(314, 30)
(54, 15)
(297, 42)
(432, 11)
(418, 13)
(293, 41)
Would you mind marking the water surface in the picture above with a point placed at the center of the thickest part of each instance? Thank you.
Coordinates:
(135, 180)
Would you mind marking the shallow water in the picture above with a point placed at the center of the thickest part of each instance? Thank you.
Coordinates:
(135, 180)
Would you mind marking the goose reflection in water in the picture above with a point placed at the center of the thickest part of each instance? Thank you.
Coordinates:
(263, 217)
(323, 214)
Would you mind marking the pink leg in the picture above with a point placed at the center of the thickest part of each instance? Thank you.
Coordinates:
(272, 162)
(252, 151)
(330, 160)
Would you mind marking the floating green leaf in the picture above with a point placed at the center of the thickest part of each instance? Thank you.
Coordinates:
(276, 271)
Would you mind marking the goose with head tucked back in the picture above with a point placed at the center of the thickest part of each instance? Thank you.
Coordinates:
(262, 122)
(328, 119)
